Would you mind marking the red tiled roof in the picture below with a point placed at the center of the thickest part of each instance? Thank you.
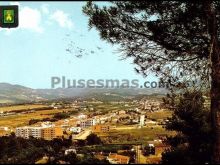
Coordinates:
(121, 158)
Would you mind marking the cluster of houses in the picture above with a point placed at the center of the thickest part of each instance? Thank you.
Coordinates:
(150, 105)
(76, 125)
(96, 123)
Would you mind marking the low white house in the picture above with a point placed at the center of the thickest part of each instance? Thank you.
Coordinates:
(4, 128)
(47, 124)
(82, 116)
(68, 151)
(76, 129)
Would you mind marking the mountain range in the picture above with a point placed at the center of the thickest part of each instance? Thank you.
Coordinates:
(19, 94)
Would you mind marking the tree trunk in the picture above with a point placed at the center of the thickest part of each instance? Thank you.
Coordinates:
(215, 104)
(215, 79)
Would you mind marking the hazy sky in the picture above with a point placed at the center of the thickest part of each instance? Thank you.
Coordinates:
(49, 36)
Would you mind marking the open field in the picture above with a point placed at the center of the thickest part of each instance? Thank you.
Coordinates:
(21, 107)
(133, 134)
(162, 114)
(23, 119)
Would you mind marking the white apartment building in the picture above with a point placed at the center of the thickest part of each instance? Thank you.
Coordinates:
(87, 123)
(142, 118)
(26, 132)
(23, 132)
(36, 132)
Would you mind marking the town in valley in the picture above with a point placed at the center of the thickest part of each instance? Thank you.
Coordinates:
(131, 130)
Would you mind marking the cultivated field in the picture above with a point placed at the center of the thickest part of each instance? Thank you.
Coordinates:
(23, 119)
(21, 107)
(133, 134)
(162, 114)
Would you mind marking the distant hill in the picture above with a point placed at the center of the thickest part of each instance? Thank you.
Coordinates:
(18, 94)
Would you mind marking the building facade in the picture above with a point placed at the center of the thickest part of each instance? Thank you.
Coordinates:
(26, 132)
(51, 133)
(100, 128)
(47, 133)
(142, 118)
(87, 123)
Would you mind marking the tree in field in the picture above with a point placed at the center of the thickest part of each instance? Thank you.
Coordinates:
(93, 139)
(191, 121)
(178, 41)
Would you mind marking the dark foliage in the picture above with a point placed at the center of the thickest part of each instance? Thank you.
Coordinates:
(191, 121)
(93, 139)
(18, 150)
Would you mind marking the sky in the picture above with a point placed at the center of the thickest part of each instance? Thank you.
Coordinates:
(47, 42)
